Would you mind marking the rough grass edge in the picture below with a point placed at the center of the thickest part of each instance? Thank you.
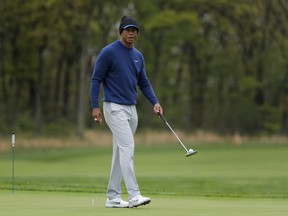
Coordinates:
(145, 137)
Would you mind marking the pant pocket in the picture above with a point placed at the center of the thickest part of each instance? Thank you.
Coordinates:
(118, 111)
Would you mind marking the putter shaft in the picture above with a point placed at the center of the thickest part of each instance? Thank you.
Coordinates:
(165, 121)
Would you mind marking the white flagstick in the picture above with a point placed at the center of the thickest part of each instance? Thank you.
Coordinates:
(13, 146)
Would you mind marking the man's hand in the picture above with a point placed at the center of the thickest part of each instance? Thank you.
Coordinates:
(97, 115)
(157, 109)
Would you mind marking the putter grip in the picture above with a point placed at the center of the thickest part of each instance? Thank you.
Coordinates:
(162, 117)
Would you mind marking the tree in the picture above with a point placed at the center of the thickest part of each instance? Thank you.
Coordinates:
(215, 65)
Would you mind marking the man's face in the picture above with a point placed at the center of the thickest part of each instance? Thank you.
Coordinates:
(129, 35)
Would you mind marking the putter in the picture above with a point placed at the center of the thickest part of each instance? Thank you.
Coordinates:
(188, 152)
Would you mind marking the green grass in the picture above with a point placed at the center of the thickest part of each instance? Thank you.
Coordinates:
(75, 204)
(220, 180)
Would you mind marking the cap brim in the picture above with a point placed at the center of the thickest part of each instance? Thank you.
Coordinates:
(131, 25)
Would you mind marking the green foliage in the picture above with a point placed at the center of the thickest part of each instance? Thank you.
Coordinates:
(215, 65)
(58, 128)
(272, 119)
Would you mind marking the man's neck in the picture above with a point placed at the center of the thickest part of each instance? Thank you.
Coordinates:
(128, 45)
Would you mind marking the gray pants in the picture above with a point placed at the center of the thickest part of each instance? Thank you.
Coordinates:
(122, 121)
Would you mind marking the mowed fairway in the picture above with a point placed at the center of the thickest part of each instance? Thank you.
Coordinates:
(219, 180)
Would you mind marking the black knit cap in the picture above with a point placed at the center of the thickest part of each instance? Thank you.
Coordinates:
(126, 22)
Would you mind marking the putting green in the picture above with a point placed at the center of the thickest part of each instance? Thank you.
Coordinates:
(70, 204)
(220, 180)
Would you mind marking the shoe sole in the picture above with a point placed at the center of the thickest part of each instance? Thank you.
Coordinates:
(113, 206)
(140, 204)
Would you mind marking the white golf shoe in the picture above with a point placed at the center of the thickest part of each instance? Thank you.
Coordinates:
(138, 201)
(116, 203)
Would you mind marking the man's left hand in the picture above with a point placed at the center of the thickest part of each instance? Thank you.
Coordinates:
(157, 109)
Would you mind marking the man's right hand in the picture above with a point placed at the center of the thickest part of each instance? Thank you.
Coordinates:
(97, 115)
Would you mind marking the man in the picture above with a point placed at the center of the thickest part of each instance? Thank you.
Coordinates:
(120, 68)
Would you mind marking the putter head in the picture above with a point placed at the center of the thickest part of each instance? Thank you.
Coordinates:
(191, 153)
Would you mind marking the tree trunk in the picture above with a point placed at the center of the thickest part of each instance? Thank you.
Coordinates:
(285, 105)
(82, 74)
(285, 119)
(39, 90)
(81, 95)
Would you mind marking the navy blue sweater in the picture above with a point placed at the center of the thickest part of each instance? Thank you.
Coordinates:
(121, 70)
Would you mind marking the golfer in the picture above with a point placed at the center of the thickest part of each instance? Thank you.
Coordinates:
(120, 68)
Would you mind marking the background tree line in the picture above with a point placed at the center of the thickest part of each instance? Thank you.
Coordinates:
(217, 65)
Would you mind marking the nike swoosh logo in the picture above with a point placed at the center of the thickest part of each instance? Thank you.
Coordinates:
(116, 202)
(136, 61)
